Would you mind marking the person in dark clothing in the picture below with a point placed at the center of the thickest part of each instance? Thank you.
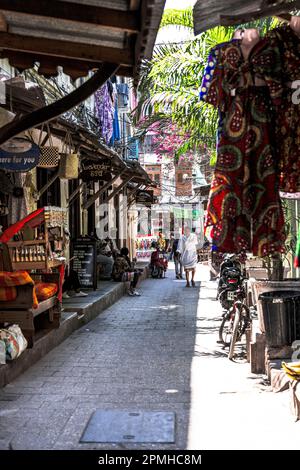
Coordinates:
(72, 283)
(176, 254)
(123, 271)
(170, 244)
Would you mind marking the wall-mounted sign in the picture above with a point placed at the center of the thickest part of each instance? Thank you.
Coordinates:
(96, 170)
(145, 197)
(19, 154)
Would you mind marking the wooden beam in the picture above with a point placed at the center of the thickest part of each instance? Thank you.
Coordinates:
(3, 24)
(134, 4)
(92, 199)
(104, 17)
(59, 107)
(118, 189)
(230, 20)
(48, 64)
(74, 193)
(46, 186)
(66, 49)
(132, 194)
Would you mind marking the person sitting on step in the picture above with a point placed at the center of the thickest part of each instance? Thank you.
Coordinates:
(123, 270)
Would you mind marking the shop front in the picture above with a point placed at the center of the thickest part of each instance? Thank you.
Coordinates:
(49, 178)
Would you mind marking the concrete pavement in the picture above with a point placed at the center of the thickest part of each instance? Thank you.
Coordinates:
(157, 352)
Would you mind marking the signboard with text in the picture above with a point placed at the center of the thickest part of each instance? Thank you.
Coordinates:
(19, 155)
(96, 170)
(145, 197)
(85, 262)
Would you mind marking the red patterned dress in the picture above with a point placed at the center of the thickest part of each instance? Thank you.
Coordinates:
(244, 211)
(288, 115)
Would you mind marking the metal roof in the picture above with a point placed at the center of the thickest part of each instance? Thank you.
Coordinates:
(211, 13)
(79, 35)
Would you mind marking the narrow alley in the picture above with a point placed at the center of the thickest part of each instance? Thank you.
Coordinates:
(157, 352)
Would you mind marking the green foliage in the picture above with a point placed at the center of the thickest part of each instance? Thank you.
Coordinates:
(275, 264)
(177, 17)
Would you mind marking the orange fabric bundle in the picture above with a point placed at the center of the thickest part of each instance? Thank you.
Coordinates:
(17, 278)
(45, 290)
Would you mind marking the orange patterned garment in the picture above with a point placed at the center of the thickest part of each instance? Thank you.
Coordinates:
(45, 290)
(9, 281)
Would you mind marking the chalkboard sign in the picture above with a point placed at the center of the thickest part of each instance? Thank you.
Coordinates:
(85, 262)
(145, 197)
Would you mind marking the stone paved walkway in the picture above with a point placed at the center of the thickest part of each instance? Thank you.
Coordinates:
(157, 352)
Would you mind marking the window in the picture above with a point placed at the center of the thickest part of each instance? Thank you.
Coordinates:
(157, 178)
(147, 145)
(180, 178)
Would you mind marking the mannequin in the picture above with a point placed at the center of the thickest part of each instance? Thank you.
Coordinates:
(295, 24)
(249, 38)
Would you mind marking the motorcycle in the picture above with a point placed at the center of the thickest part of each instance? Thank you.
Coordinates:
(158, 264)
(231, 279)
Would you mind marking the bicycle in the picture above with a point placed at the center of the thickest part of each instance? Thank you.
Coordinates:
(235, 320)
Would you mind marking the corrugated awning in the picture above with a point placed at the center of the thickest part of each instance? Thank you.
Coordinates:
(211, 13)
(78, 35)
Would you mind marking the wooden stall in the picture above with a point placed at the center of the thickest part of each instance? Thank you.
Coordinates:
(32, 271)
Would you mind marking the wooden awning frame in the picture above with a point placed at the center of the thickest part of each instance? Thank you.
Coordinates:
(73, 47)
(100, 191)
(210, 13)
(78, 35)
(53, 110)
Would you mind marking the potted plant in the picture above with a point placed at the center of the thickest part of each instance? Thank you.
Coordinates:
(277, 267)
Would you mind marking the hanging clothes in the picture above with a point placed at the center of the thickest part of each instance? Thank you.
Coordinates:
(116, 134)
(288, 113)
(105, 112)
(297, 254)
(123, 92)
(244, 211)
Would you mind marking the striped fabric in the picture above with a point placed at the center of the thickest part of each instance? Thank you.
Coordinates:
(45, 290)
(128, 276)
(297, 253)
(9, 280)
(7, 294)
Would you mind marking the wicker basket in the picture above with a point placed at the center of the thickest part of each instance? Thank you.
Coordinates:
(68, 167)
(49, 156)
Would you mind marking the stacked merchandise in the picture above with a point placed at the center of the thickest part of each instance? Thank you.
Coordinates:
(250, 81)
(143, 247)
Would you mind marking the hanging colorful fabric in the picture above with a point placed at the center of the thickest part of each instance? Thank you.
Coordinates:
(49, 157)
(297, 254)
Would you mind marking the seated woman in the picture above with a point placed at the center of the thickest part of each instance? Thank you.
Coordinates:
(124, 271)
(105, 260)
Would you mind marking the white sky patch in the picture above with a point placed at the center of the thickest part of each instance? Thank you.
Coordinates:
(180, 4)
(174, 33)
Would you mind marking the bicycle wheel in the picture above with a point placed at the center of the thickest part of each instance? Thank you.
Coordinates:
(235, 331)
(225, 330)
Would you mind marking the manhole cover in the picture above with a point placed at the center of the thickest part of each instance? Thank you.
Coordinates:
(121, 426)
